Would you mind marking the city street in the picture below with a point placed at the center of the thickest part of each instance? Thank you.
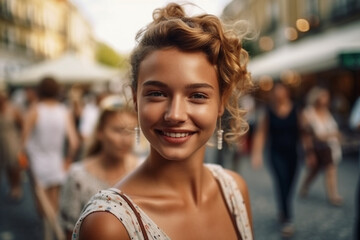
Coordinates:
(314, 218)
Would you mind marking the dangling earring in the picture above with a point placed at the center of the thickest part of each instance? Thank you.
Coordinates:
(219, 134)
(137, 136)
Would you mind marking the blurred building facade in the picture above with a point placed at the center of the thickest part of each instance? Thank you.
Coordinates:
(303, 42)
(35, 30)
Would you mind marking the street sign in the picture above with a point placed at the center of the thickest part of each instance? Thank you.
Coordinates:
(350, 60)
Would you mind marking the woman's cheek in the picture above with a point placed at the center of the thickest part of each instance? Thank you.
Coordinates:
(150, 113)
(204, 116)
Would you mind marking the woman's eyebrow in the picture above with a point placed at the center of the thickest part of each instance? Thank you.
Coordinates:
(154, 83)
(199, 85)
(189, 86)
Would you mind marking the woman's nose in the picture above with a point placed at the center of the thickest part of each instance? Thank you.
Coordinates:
(176, 111)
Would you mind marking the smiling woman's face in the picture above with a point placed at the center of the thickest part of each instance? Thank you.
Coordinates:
(178, 102)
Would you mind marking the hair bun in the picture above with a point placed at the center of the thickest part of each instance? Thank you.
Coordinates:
(172, 10)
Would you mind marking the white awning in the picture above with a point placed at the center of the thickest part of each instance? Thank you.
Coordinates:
(314, 53)
(66, 69)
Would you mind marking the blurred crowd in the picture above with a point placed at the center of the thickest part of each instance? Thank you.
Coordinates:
(72, 146)
(78, 141)
(290, 133)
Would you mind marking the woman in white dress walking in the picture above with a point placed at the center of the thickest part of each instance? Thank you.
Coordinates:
(47, 126)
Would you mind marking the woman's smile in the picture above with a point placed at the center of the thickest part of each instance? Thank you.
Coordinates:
(175, 136)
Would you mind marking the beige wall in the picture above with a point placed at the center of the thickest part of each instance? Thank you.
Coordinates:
(45, 28)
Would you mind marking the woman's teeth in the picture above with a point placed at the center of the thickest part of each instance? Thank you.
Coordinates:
(176, 135)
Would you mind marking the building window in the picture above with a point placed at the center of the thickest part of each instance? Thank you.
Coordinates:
(343, 9)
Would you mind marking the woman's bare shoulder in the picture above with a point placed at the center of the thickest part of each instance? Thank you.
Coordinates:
(102, 225)
(241, 183)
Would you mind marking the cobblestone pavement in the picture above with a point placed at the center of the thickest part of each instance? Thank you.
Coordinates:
(315, 218)
(19, 220)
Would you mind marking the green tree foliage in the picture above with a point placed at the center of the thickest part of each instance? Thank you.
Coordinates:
(108, 56)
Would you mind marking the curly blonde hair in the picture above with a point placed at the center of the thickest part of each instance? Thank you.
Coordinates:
(172, 28)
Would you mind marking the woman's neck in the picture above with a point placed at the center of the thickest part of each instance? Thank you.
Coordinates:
(108, 162)
(108, 169)
(49, 101)
(185, 178)
(320, 109)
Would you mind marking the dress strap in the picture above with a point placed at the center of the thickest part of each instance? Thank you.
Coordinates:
(234, 200)
(138, 217)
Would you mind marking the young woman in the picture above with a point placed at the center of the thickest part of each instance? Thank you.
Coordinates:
(322, 144)
(185, 72)
(11, 123)
(109, 159)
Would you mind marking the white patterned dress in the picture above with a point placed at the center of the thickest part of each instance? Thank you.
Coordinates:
(117, 203)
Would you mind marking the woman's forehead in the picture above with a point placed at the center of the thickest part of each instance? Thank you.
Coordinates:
(167, 64)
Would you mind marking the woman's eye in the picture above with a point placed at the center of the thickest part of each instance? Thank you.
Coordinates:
(199, 96)
(156, 94)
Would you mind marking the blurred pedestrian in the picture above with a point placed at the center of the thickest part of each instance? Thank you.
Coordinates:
(280, 126)
(247, 103)
(354, 120)
(11, 122)
(31, 97)
(186, 71)
(76, 104)
(89, 116)
(109, 159)
(47, 125)
(88, 120)
(355, 125)
(322, 145)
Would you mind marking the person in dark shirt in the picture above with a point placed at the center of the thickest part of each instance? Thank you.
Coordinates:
(280, 127)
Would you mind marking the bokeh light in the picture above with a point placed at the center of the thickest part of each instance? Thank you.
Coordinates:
(291, 33)
(266, 43)
(302, 25)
